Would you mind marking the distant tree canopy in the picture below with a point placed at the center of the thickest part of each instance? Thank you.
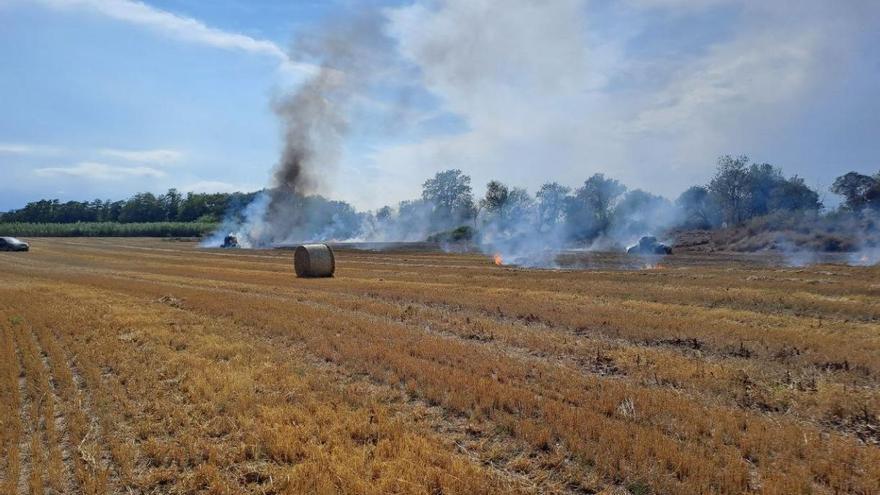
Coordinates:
(449, 192)
(697, 208)
(142, 207)
(551, 205)
(739, 191)
(860, 192)
(495, 199)
(504, 207)
(588, 212)
(729, 188)
(742, 191)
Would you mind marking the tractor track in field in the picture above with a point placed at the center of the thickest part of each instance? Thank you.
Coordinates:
(92, 450)
(474, 440)
(27, 426)
(54, 456)
(67, 450)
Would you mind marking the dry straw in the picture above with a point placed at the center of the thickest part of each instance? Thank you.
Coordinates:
(314, 260)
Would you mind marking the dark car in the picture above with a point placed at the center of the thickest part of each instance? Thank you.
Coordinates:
(13, 244)
(649, 245)
(230, 241)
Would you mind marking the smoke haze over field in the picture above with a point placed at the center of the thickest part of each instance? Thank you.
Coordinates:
(647, 91)
(525, 90)
(568, 88)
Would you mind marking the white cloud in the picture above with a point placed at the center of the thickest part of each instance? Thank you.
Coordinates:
(180, 27)
(99, 171)
(155, 156)
(159, 156)
(210, 186)
(678, 4)
(28, 149)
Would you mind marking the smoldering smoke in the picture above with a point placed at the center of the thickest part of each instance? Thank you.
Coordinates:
(346, 57)
(314, 122)
(351, 58)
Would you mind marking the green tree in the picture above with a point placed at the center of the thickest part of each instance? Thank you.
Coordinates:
(859, 191)
(449, 192)
(793, 194)
(142, 207)
(507, 208)
(496, 197)
(551, 204)
(588, 212)
(730, 188)
(171, 201)
(763, 182)
(697, 208)
(384, 213)
(192, 207)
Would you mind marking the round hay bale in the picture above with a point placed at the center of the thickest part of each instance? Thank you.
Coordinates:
(314, 260)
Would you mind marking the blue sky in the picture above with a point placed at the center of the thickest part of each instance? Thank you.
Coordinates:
(104, 98)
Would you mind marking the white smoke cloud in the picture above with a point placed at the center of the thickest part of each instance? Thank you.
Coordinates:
(559, 91)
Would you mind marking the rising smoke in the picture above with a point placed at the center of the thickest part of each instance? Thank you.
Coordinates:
(352, 57)
(348, 57)
(356, 65)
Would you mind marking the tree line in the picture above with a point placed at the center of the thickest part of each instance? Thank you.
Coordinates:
(140, 208)
(739, 191)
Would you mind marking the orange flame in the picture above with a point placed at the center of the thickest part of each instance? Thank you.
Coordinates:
(498, 260)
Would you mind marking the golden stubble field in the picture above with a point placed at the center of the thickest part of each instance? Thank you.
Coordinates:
(149, 366)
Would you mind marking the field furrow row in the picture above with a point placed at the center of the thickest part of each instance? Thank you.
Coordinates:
(720, 331)
(183, 432)
(435, 368)
(166, 368)
(767, 387)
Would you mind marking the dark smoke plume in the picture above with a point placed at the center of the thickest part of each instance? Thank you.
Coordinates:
(347, 58)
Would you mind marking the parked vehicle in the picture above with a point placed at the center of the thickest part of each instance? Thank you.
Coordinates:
(649, 245)
(230, 241)
(13, 244)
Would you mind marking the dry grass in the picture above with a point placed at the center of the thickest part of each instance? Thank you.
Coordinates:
(149, 366)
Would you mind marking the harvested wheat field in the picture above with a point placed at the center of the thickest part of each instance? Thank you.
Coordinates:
(149, 366)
